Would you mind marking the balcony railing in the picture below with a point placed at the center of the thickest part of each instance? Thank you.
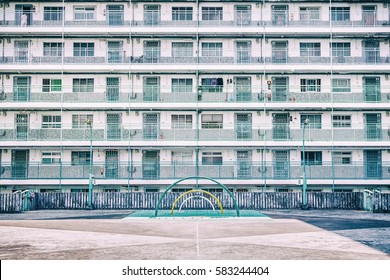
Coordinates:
(249, 170)
(154, 56)
(187, 94)
(185, 19)
(213, 132)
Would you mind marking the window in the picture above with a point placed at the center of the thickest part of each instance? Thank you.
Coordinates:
(212, 49)
(314, 190)
(81, 158)
(53, 13)
(52, 49)
(211, 158)
(310, 49)
(111, 190)
(181, 85)
(282, 190)
(78, 190)
(342, 157)
(215, 190)
(212, 121)
(51, 157)
(83, 85)
(83, 49)
(212, 13)
(180, 190)
(310, 85)
(51, 121)
(312, 158)
(212, 85)
(181, 13)
(341, 49)
(51, 85)
(80, 121)
(314, 121)
(340, 13)
(343, 190)
(181, 121)
(84, 13)
(341, 85)
(309, 13)
(182, 49)
(151, 190)
(185, 156)
(342, 121)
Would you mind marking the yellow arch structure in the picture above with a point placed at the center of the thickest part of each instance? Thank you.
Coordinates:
(192, 191)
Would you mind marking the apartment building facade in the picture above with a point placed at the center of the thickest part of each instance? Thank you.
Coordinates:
(244, 92)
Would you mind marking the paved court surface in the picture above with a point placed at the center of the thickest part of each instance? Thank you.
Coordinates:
(114, 235)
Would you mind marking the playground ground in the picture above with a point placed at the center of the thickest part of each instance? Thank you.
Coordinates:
(119, 235)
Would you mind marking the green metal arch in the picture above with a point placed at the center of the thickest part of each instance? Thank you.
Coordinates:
(196, 177)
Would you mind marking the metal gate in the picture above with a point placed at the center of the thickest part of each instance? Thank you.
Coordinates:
(279, 51)
(373, 164)
(373, 125)
(150, 164)
(244, 164)
(244, 126)
(280, 88)
(152, 14)
(19, 164)
(243, 51)
(151, 126)
(151, 88)
(372, 91)
(242, 15)
(115, 14)
(22, 126)
(369, 15)
(281, 164)
(22, 87)
(243, 88)
(281, 127)
(112, 164)
(115, 51)
(151, 52)
(279, 15)
(114, 125)
(371, 51)
(112, 89)
(21, 51)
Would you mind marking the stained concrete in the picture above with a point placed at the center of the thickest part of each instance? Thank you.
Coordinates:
(96, 235)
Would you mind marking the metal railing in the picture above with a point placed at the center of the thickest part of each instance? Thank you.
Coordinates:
(207, 132)
(154, 56)
(239, 170)
(185, 18)
(204, 94)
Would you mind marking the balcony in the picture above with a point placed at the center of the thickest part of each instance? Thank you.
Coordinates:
(185, 19)
(278, 56)
(233, 133)
(109, 95)
(239, 170)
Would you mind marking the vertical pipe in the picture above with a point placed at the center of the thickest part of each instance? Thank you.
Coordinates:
(264, 159)
(129, 95)
(304, 183)
(331, 90)
(197, 96)
(89, 122)
(62, 91)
